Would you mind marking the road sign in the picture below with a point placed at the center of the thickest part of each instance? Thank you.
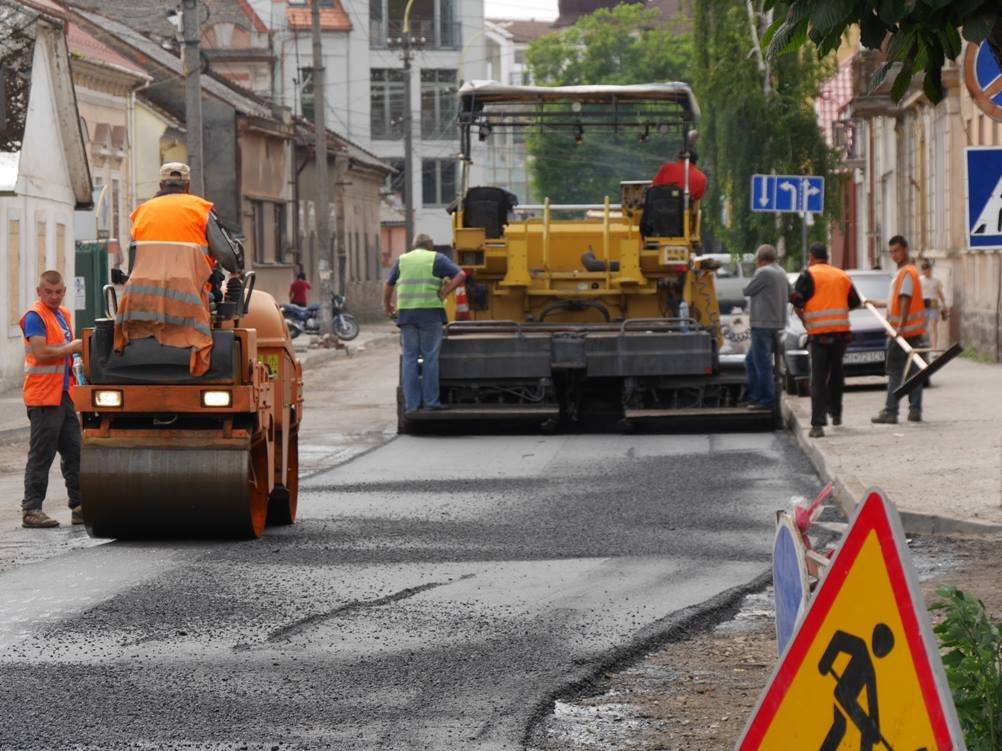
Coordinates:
(789, 579)
(984, 79)
(788, 193)
(863, 670)
(984, 196)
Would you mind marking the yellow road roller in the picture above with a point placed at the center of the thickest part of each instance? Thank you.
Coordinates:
(170, 455)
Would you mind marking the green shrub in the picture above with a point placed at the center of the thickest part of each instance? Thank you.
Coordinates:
(972, 655)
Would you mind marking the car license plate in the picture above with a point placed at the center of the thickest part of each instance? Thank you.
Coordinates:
(876, 355)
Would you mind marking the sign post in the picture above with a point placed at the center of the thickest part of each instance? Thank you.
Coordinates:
(799, 194)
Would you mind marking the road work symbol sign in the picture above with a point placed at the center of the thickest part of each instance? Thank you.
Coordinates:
(984, 196)
(863, 670)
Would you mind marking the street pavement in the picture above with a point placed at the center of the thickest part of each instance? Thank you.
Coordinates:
(947, 467)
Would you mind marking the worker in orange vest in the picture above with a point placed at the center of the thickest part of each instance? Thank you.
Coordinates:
(49, 348)
(907, 316)
(822, 297)
(178, 244)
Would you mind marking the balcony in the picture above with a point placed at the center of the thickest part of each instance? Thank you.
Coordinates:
(436, 35)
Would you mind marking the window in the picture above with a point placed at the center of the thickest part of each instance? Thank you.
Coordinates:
(13, 271)
(279, 232)
(116, 213)
(257, 230)
(433, 21)
(61, 248)
(395, 181)
(387, 94)
(306, 92)
(41, 232)
(438, 104)
(438, 181)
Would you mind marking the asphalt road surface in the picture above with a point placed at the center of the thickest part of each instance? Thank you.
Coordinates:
(433, 595)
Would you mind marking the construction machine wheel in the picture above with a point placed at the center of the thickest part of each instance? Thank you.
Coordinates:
(160, 492)
(284, 498)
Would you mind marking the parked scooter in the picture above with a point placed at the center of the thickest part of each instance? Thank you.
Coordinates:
(306, 320)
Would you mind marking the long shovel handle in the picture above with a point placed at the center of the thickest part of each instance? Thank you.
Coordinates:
(914, 356)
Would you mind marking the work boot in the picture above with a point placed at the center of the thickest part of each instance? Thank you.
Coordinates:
(914, 415)
(817, 432)
(38, 519)
(76, 515)
(885, 418)
(836, 420)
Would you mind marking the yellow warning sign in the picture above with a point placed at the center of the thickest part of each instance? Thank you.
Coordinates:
(270, 362)
(863, 671)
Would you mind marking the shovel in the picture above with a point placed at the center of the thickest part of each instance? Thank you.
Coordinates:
(925, 370)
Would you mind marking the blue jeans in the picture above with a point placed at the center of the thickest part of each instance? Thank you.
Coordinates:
(758, 363)
(420, 389)
(895, 360)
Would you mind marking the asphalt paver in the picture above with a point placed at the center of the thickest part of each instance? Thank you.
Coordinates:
(434, 593)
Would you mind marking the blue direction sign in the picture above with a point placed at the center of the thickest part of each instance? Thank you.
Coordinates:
(788, 193)
(984, 196)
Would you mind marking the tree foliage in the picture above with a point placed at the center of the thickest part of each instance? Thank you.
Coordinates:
(749, 127)
(918, 35)
(622, 45)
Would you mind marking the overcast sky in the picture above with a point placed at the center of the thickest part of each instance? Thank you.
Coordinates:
(541, 10)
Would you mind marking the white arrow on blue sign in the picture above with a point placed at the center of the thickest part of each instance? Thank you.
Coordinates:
(788, 193)
(984, 196)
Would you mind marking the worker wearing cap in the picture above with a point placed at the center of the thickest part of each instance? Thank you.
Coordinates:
(907, 316)
(417, 277)
(822, 297)
(178, 244)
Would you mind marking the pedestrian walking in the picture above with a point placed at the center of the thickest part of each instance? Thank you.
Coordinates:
(907, 316)
(49, 348)
(822, 296)
(935, 303)
(769, 290)
(417, 277)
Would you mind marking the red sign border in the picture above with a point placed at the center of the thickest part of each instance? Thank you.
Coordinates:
(875, 514)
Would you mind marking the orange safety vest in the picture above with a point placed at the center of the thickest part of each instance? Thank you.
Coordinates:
(914, 323)
(172, 218)
(827, 310)
(43, 379)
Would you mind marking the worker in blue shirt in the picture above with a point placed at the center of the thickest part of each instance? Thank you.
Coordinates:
(417, 277)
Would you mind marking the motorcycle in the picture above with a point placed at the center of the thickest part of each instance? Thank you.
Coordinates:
(306, 320)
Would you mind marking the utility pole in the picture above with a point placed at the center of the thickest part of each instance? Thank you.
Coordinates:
(329, 275)
(192, 66)
(408, 139)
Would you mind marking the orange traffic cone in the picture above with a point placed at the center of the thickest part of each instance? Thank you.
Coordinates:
(462, 304)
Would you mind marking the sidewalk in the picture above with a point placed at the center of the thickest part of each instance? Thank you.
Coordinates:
(944, 473)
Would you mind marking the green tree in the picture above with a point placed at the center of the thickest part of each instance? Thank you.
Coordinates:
(623, 45)
(756, 119)
(920, 35)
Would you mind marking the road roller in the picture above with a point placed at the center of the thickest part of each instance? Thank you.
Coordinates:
(595, 303)
(170, 455)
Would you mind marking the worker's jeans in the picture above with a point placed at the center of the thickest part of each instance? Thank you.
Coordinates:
(894, 364)
(758, 364)
(52, 429)
(420, 388)
(827, 377)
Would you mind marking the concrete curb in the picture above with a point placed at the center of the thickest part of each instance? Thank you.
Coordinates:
(317, 357)
(848, 488)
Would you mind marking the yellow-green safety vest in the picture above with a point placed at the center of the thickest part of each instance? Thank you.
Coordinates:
(417, 285)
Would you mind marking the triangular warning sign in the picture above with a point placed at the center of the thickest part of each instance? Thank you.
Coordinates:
(989, 221)
(863, 671)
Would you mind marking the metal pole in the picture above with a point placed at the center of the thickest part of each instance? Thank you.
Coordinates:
(408, 142)
(803, 219)
(328, 280)
(192, 67)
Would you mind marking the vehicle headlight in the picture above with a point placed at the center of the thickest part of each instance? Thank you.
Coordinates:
(107, 398)
(216, 399)
(802, 341)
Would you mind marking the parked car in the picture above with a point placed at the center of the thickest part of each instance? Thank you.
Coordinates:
(865, 354)
(732, 276)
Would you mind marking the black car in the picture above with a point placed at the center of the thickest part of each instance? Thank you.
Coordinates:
(865, 354)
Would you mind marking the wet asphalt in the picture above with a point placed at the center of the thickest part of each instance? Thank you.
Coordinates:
(434, 594)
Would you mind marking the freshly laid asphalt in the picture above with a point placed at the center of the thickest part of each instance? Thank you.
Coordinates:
(433, 594)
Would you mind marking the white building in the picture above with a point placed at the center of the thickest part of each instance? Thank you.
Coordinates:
(43, 170)
(365, 84)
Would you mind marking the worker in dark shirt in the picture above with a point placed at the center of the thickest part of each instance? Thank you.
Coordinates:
(673, 173)
(298, 290)
(822, 298)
